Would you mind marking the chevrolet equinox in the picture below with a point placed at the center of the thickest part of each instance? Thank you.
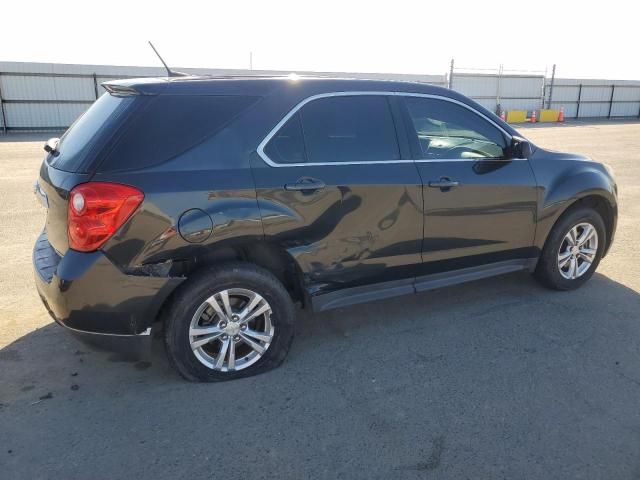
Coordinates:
(210, 206)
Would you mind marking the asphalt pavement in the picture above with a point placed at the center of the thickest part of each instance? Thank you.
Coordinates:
(495, 379)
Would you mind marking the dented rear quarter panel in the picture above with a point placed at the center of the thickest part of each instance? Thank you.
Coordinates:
(214, 177)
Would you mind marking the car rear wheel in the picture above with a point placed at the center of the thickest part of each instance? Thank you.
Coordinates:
(229, 322)
(572, 251)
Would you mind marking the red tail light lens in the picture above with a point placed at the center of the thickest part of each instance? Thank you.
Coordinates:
(97, 210)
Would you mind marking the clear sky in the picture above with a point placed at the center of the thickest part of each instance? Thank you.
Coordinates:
(585, 39)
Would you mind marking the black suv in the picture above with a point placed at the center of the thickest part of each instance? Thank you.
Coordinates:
(215, 204)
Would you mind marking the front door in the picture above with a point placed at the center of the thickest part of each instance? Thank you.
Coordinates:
(341, 193)
(479, 205)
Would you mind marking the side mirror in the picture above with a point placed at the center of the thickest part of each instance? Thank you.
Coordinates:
(51, 146)
(520, 148)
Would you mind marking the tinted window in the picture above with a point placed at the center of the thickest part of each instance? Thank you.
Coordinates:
(171, 125)
(337, 129)
(449, 131)
(82, 135)
(287, 146)
(349, 129)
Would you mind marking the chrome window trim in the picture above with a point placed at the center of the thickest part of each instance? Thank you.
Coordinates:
(294, 110)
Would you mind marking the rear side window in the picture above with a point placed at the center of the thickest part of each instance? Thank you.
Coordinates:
(287, 145)
(82, 136)
(338, 129)
(446, 130)
(171, 125)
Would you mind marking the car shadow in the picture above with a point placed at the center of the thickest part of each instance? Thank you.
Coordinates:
(419, 379)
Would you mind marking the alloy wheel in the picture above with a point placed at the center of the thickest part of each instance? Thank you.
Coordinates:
(578, 251)
(231, 330)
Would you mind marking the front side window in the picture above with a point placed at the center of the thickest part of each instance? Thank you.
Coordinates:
(337, 129)
(446, 130)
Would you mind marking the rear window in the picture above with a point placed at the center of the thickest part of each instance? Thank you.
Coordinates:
(337, 130)
(82, 136)
(349, 129)
(170, 125)
(287, 146)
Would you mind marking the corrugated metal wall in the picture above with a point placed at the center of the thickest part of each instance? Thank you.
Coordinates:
(51, 96)
(596, 98)
(520, 92)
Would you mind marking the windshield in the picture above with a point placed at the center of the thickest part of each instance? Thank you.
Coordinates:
(80, 138)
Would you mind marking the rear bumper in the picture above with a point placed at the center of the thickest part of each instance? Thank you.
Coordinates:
(88, 294)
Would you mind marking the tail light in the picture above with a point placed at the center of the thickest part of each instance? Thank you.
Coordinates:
(97, 210)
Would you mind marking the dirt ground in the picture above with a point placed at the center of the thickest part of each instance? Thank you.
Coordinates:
(495, 379)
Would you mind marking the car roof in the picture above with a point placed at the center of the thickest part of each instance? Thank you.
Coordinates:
(292, 88)
(257, 84)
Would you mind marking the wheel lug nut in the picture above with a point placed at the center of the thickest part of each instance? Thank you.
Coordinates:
(236, 337)
(235, 318)
(225, 337)
(243, 326)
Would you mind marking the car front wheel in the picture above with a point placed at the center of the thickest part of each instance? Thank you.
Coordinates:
(573, 250)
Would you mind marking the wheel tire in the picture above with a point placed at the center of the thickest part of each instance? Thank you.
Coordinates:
(193, 293)
(547, 271)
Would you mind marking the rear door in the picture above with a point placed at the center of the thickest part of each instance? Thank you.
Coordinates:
(480, 205)
(339, 190)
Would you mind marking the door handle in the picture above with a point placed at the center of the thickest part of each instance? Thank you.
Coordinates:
(444, 184)
(305, 184)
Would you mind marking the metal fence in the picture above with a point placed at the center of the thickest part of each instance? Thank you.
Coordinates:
(40, 96)
(511, 92)
(44, 96)
(533, 91)
(594, 98)
(36, 100)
